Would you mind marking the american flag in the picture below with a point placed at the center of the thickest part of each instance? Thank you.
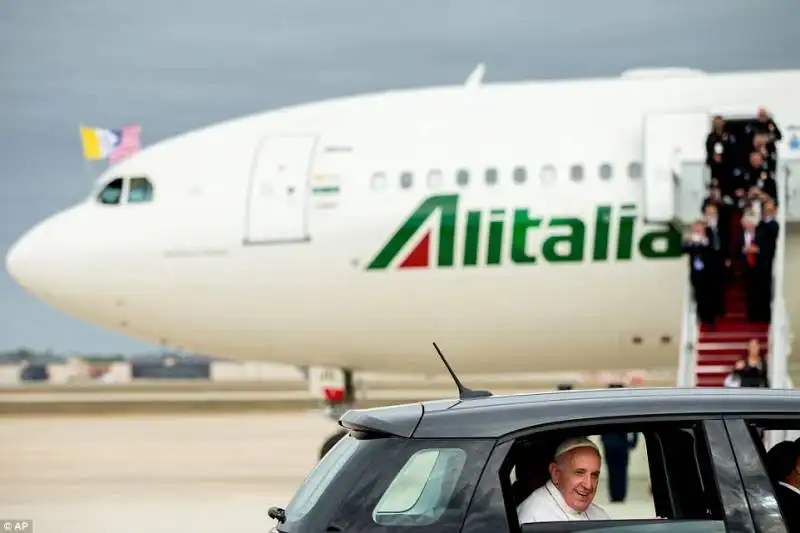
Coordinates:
(127, 143)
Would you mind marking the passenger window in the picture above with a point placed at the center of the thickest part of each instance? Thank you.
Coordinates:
(435, 179)
(635, 170)
(668, 468)
(406, 179)
(520, 175)
(576, 172)
(421, 491)
(491, 176)
(112, 193)
(605, 171)
(462, 177)
(378, 181)
(141, 190)
(548, 174)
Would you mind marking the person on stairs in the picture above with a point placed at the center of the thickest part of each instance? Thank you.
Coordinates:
(757, 253)
(717, 240)
(726, 209)
(751, 370)
(758, 174)
(734, 378)
(756, 198)
(768, 230)
(769, 224)
(770, 157)
(719, 149)
(765, 125)
(698, 248)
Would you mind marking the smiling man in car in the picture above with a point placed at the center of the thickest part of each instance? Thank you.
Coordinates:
(570, 492)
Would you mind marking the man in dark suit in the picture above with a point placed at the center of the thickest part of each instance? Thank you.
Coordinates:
(616, 450)
(765, 125)
(758, 174)
(717, 241)
(700, 253)
(770, 228)
(783, 466)
(719, 151)
(758, 250)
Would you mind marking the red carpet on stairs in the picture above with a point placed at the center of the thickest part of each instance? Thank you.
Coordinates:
(719, 347)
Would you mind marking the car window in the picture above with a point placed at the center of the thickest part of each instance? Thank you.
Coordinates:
(320, 477)
(656, 468)
(419, 494)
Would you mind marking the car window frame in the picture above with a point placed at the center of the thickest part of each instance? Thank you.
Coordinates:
(490, 490)
(729, 481)
(321, 477)
(764, 506)
(646, 525)
(355, 512)
(338, 488)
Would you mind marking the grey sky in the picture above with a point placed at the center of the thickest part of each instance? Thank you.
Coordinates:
(175, 65)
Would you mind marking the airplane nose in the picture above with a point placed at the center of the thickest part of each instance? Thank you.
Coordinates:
(77, 265)
(15, 260)
(27, 261)
(42, 259)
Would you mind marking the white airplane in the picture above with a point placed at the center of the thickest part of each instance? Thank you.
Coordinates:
(521, 226)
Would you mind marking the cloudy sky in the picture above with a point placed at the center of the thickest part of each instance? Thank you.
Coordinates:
(175, 65)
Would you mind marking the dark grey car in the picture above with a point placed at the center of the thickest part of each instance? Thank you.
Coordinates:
(450, 466)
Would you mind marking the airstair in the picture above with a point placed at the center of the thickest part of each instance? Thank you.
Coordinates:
(707, 356)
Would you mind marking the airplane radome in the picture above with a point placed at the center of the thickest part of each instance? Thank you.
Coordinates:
(522, 226)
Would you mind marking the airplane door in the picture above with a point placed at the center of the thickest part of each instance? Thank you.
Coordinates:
(691, 190)
(277, 195)
(669, 141)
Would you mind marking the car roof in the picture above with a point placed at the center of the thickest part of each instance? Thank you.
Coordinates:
(497, 416)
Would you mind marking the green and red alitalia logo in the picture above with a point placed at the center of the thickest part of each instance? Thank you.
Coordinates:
(564, 239)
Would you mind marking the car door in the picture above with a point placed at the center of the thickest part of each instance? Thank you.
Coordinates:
(692, 468)
(731, 487)
(758, 487)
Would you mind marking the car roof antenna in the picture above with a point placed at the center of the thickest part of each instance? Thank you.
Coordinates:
(463, 392)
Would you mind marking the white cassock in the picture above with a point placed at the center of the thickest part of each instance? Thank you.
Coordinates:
(546, 504)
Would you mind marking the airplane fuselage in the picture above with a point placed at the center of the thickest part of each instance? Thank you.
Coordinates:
(503, 222)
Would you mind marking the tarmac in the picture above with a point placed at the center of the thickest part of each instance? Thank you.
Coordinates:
(198, 473)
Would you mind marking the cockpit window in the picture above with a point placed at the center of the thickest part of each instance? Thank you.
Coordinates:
(111, 193)
(141, 190)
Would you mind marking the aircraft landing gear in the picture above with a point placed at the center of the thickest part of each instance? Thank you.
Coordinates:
(337, 390)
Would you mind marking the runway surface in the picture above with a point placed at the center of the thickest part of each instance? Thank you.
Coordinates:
(168, 474)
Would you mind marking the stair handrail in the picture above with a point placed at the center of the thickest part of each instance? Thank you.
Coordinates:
(687, 357)
(779, 345)
(779, 334)
(687, 353)
(780, 247)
